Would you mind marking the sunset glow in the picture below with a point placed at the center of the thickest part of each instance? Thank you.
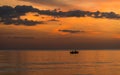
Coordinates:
(97, 26)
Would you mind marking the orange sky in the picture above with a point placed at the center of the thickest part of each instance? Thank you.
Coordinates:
(92, 5)
(94, 32)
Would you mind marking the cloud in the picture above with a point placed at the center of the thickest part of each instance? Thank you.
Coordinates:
(8, 13)
(80, 13)
(71, 31)
(56, 3)
(21, 22)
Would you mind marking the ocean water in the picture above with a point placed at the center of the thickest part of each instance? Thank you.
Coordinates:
(60, 62)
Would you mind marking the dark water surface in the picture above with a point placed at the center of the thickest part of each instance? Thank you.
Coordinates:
(60, 62)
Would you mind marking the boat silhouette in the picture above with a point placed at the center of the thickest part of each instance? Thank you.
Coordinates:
(74, 52)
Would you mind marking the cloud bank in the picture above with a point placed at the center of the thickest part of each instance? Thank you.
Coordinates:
(8, 13)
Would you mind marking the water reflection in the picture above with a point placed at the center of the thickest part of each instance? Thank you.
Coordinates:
(87, 62)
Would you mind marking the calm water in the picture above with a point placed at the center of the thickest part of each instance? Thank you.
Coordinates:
(87, 62)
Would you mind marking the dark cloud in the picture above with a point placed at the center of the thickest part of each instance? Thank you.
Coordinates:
(71, 31)
(21, 22)
(80, 13)
(7, 13)
(10, 12)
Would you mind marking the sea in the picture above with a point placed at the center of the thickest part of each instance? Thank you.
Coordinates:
(59, 62)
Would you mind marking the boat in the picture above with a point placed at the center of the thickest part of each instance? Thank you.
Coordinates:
(74, 52)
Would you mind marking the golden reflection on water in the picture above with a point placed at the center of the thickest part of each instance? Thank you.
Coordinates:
(87, 62)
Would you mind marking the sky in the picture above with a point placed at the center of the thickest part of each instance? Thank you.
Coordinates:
(59, 24)
(93, 5)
